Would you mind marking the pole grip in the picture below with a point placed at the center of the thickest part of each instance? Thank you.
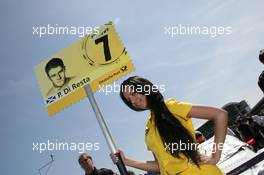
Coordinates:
(120, 165)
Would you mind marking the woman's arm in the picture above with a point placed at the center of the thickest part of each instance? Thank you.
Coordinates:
(219, 117)
(142, 165)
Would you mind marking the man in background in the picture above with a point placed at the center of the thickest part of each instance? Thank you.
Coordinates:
(87, 165)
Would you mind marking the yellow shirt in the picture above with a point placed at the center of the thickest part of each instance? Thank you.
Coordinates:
(168, 164)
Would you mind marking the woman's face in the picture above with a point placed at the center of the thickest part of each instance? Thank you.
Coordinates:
(139, 101)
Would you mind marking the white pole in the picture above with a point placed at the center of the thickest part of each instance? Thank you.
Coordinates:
(105, 130)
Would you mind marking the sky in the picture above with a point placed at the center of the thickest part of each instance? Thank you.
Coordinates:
(196, 68)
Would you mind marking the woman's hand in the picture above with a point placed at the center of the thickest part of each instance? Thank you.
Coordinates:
(115, 158)
(142, 165)
(209, 159)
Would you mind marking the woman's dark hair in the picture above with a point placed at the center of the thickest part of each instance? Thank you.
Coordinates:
(169, 127)
(261, 56)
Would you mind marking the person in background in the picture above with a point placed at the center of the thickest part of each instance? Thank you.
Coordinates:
(86, 162)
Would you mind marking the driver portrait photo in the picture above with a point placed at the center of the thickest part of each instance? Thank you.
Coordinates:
(56, 72)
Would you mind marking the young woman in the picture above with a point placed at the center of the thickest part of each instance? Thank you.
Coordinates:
(169, 131)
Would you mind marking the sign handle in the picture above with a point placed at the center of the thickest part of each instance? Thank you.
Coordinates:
(120, 164)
